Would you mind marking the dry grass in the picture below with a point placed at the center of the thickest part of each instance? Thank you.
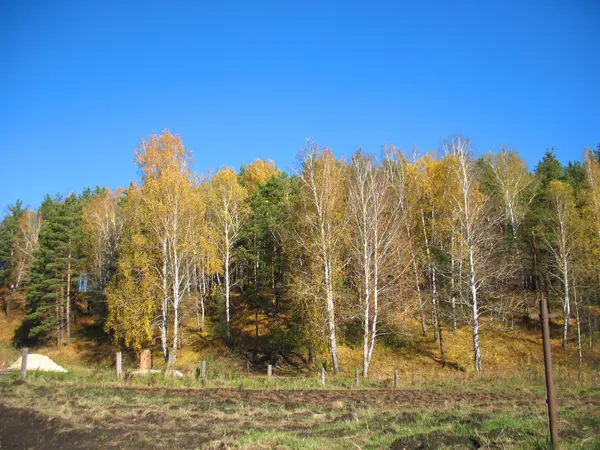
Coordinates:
(159, 418)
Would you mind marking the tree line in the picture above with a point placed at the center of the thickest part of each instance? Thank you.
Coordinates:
(336, 251)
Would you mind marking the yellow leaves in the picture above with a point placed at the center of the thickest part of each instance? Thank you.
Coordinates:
(162, 153)
(134, 286)
(227, 196)
(226, 180)
(257, 173)
(160, 242)
(562, 195)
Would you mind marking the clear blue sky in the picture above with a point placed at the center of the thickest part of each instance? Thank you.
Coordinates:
(83, 81)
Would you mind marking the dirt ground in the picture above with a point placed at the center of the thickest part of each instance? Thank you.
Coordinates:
(124, 417)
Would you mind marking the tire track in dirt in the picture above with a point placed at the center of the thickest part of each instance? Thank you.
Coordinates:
(301, 398)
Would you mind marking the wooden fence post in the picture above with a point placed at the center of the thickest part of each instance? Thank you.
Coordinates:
(356, 378)
(203, 371)
(323, 376)
(118, 365)
(24, 353)
(395, 379)
(269, 371)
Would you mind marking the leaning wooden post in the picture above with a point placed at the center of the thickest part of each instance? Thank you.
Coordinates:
(550, 395)
(203, 372)
(118, 365)
(356, 378)
(269, 371)
(323, 376)
(395, 378)
(24, 353)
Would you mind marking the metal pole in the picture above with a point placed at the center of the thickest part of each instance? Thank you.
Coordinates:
(550, 395)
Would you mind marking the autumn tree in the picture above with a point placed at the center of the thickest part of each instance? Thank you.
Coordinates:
(229, 210)
(169, 211)
(102, 220)
(134, 286)
(322, 196)
(403, 178)
(376, 222)
(207, 262)
(561, 243)
(477, 233)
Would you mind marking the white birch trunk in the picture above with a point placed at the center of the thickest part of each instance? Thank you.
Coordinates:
(164, 338)
(566, 302)
(227, 285)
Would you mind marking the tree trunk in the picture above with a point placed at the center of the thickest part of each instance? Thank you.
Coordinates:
(366, 301)
(431, 279)
(590, 333)
(57, 320)
(475, 309)
(68, 298)
(579, 346)
(173, 355)
(452, 287)
(273, 287)
(566, 305)
(417, 284)
(227, 287)
(453, 302)
(434, 304)
(7, 304)
(375, 305)
(331, 320)
(441, 341)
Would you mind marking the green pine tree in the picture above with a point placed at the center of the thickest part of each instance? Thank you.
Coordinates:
(53, 280)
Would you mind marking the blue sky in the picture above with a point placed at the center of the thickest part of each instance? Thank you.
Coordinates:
(83, 81)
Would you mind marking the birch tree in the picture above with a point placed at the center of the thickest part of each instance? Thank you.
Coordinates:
(561, 243)
(375, 219)
(168, 207)
(322, 193)
(512, 183)
(103, 221)
(228, 210)
(476, 233)
(402, 176)
(25, 244)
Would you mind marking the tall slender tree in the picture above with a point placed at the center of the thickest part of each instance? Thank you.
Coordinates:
(229, 210)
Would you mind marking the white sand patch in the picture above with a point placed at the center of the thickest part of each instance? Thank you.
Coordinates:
(173, 373)
(37, 362)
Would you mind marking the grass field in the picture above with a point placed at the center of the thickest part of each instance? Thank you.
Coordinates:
(93, 410)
